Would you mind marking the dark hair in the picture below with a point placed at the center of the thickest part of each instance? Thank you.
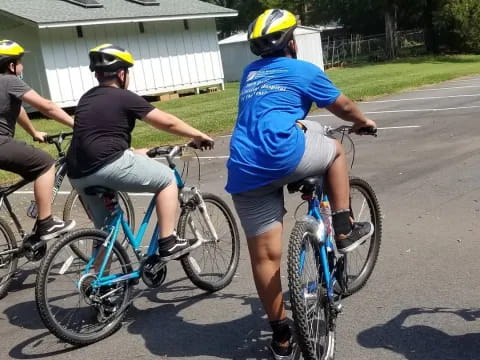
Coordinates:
(4, 66)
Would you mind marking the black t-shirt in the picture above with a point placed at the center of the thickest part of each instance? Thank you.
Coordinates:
(104, 120)
(11, 91)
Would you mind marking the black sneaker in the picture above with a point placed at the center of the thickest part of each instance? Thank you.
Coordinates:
(178, 249)
(52, 227)
(283, 352)
(361, 231)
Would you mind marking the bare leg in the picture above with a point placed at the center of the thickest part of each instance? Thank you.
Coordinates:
(166, 206)
(42, 190)
(337, 179)
(265, 255)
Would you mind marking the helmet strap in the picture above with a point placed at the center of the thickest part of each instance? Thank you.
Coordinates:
(123, 81)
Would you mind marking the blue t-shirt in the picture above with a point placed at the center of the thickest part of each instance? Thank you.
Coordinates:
(266, 143)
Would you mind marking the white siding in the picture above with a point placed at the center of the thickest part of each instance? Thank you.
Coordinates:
(168, 57)
(27, 37)
(236, 54)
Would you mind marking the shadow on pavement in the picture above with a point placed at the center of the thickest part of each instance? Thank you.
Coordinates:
(163, 328)
(422, 342)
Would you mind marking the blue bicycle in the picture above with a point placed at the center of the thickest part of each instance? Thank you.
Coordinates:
(83, 300)
(318, 276)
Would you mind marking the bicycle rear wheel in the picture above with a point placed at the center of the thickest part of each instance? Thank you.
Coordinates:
(360, 262)
(212, 265)
(309, 302)
(74, 210)
(8, 262)
(69, 306)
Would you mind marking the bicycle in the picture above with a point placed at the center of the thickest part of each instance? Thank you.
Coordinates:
(82, 302)
(318, 276)
(31, 248)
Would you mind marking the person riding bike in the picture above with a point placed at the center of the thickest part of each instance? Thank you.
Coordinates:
(16, 156)
(100, 152)
(272, 146)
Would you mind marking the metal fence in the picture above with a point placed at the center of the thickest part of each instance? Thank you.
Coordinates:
(339, 51)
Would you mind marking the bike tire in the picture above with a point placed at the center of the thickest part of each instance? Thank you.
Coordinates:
(228, 236)
(307, 295)
(357, 279)
(46, 279)
(10, 261)
(73, 204)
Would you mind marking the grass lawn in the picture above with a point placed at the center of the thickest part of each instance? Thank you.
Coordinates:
(215, 113)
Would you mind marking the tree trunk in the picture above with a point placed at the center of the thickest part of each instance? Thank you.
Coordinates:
(390, 30)
(431, 42)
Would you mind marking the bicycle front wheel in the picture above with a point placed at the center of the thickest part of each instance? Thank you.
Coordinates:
(309, 302)
(8, 261)
(360, 262)
(212, 265)
(74, 210)
(69, 304)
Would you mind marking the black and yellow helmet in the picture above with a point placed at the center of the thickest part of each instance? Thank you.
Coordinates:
(271, 31)
(9, 51)
(109, 58)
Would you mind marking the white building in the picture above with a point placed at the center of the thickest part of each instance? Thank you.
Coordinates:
(236, 52)
(173, 42)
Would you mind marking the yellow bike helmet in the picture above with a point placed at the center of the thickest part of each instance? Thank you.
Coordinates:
(10, 51)
(271, 31)
(108, 58)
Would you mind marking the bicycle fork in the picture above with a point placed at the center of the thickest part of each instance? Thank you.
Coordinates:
(198, 202)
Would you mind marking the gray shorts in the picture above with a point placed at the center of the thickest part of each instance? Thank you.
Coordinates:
(130, 173)
(262, 208)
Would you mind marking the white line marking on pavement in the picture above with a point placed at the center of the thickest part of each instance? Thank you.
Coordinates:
(399, 127)
(406, 110)
(420, 98)
(448, 88)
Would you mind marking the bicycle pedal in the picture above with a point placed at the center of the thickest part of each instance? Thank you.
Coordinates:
(153, 271)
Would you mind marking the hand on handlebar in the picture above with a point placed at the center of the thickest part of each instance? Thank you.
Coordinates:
(368, 127)
(203, 142)
(39, 136)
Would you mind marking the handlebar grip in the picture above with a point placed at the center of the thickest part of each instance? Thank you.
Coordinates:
(369, 130)
(152, 152)
(206, 144)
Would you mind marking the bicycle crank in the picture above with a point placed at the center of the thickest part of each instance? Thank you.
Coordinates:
(33, 248)
(154, 271)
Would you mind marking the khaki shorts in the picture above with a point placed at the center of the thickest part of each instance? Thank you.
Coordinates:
(262, 208)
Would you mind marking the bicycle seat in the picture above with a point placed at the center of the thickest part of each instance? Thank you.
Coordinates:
(98, 190)
(305, 185)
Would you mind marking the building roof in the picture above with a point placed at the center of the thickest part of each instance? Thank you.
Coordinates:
(242, 37)
(58, 13)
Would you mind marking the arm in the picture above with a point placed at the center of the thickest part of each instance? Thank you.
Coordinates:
(47, 107)
(24, 121)
(346, 110)
(170, 123)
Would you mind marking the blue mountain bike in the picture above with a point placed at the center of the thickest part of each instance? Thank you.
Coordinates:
(318, 276)
(83, 300)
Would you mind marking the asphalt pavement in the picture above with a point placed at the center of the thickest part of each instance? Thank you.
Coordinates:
(422, 301)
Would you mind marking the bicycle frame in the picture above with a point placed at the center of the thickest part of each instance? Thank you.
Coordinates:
(117, 221)
(60, 172)
(323, 235)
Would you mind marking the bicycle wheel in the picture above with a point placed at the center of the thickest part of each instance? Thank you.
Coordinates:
(212, 265)
(68, 305)
(360, 262)
(309, 302)
(74, 210)
(8, 262)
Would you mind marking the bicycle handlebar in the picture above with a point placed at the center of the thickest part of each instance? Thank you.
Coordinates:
(363, 131)
(57, 138)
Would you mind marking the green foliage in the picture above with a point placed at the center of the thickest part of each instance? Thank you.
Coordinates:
(458, 22)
